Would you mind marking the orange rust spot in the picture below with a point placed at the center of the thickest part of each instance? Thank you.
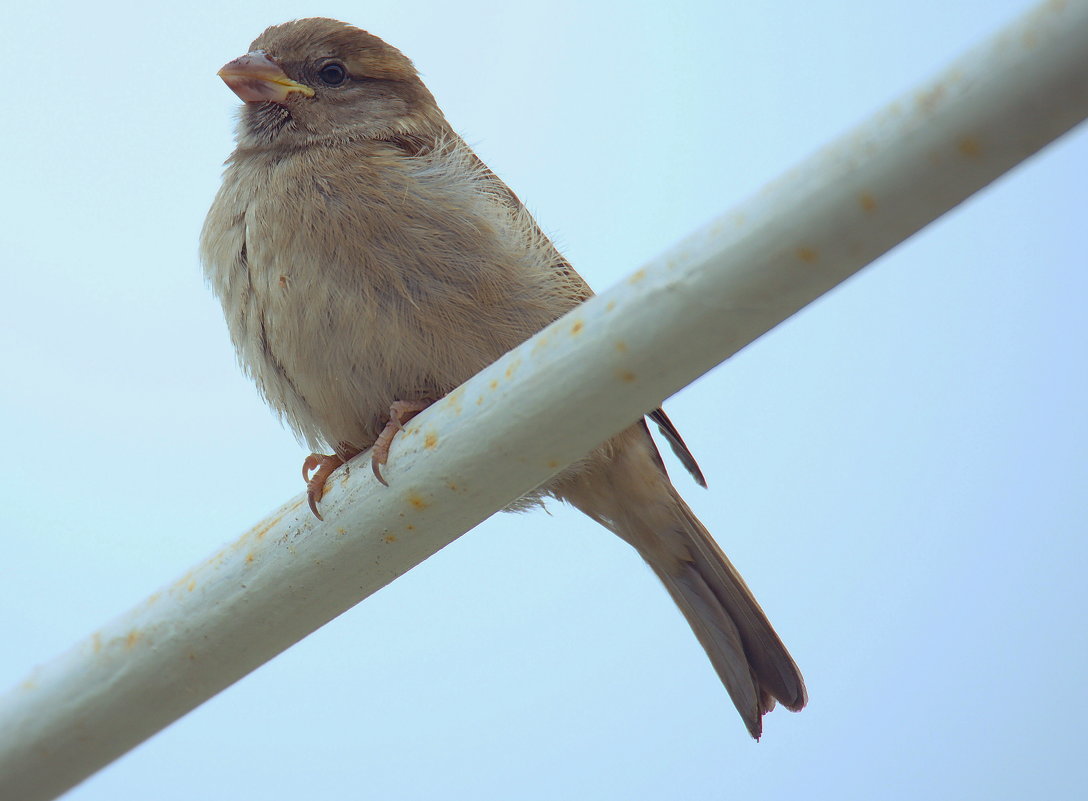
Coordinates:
(132, 638)
(621, 346)
(410, 527)
(454, 399)
(929, 98)
(192, 585)
(867, 201)
(283, 282)
(553, 464)
(610, 305)
(250, 557)
(480, 401)
(970, 147)
(154, 598)
(494, 384)
(341, 531)
(638, 276)
(452, 486)
(577, 327)
(264, 527)
(417, 502)
(390, 538)
(430, 440)
(513, 368)
(807, 255)
(627, 375)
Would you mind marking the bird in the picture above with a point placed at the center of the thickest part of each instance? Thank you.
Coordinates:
(368, 262)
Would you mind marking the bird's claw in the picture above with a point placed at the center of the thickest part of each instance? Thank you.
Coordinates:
(324, 465)
(399, 414)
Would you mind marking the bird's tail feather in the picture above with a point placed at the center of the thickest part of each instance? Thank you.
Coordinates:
(743, 647)
(630, 494)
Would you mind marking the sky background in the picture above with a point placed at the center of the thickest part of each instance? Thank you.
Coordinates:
(899, 471)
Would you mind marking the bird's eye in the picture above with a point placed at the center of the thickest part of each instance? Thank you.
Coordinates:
(333, 74)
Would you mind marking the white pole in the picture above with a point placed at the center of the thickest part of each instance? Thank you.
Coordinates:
(546, 403)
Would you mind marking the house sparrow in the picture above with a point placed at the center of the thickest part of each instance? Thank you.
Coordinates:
(368, 263)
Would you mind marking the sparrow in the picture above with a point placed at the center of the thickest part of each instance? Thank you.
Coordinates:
(368, 263)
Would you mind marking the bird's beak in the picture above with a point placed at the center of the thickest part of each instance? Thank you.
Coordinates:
(256, 78)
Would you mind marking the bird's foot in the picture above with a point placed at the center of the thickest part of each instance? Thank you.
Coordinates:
(324, 465)
(399, 414)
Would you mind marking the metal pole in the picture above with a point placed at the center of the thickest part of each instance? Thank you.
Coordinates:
(549, 401)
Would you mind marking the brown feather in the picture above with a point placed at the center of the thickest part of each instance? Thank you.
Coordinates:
(363, 255)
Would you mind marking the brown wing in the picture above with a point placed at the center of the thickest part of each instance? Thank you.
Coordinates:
(571, 281)
(676, 442)
(580, 290)
(575, 285)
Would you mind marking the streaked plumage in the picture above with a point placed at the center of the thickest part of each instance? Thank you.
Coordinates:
(364, 255)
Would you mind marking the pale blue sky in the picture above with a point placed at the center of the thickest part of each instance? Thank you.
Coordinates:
(899, 471)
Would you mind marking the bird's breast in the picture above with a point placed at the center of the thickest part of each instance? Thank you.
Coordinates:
(347, 289)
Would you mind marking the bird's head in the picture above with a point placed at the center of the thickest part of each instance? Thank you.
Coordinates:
(319, 80)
